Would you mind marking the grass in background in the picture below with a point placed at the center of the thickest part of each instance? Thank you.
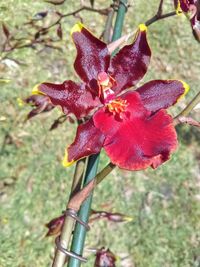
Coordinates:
(34, 187)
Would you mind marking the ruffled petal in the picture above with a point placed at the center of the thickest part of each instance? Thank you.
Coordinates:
(92, 54)
(131, 63)
(88, 141)
(72, 97)
(138, 140)
(161, 94)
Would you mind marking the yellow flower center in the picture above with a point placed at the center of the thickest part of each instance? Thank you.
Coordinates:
(117, 106)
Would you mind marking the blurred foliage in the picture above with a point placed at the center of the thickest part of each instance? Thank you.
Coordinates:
(33, 184)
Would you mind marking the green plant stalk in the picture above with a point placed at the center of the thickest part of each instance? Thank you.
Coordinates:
(80, 232)
(119, 20)
(68, 225)
(84, 213)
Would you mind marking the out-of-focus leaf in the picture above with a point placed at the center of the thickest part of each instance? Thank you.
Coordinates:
(10, 63)
(59, 31)
(55, 2)
(5, 30)
(40, 15)
(2, 80)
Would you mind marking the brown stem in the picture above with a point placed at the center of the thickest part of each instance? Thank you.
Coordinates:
(159, 17)
(188, 108)
(160, 10)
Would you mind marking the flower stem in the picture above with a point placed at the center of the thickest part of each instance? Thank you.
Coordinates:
(119, 20)
(77, 200)
(68, 224)
(188, 108)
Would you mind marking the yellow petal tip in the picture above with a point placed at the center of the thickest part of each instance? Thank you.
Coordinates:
(178, 9)
(128, 219)
(36, 90)
(77, 27)
(186, 90)
(65, 161)
(5, 80)
(20, 102)
(186, 87)
(143, 27)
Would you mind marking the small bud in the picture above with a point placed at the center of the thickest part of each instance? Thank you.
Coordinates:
(110, 216)
(59, 31)
(55, 226)
(105, 258)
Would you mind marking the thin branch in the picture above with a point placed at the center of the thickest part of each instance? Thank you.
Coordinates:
(188, 120)
(160, 17)
(188, 109)
(160, 8)
(30, 41)
(103, 11)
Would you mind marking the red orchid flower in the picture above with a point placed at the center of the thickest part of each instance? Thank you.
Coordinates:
(192, 9)
(132, 127)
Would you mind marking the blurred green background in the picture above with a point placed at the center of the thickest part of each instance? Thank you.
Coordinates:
(34, 187)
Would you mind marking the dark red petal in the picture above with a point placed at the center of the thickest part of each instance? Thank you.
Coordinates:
(138, 140)
(72, 97)
(89, 140)
(92, 54)
(185, 4)
(161, 94)
(131, 63)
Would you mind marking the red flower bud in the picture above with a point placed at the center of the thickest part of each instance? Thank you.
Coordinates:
(105, 258)
(55, 226)
(114, 217)
(40, 103)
